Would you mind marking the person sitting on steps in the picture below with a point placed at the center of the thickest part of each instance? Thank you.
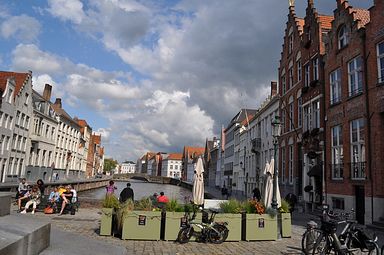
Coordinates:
(66, 197)
(34, 199)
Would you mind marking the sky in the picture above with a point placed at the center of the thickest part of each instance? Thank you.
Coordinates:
(150, 75)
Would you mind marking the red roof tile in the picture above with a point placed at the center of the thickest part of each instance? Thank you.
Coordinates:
(196, 151)
(20, 79)
(326, 21)
(362, 15)
(175, 156)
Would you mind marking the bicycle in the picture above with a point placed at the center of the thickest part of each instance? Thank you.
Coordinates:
(325, 239)
(214, 232)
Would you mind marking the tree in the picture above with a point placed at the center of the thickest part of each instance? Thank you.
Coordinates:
(109, 164)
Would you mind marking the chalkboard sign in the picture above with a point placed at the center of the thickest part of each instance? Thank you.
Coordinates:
(261, 223)
(183, 222)
(142, 220)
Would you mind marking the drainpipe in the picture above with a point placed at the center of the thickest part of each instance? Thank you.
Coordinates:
(324, 156)
(368, 117)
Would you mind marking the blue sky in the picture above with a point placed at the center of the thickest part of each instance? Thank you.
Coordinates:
(149, 75)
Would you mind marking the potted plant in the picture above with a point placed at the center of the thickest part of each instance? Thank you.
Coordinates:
(259, 224)
(285, 217)
(231, 213)
(141, 223)
(109, 205)
(174, 219)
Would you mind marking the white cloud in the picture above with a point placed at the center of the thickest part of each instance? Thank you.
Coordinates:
(23, 28)
(67, 10)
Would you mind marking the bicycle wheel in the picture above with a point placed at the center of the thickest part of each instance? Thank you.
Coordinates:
(219, 237)
(185, 234)
(315, 242)
(375, 251)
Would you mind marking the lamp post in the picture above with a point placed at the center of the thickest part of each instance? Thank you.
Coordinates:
(276, 131)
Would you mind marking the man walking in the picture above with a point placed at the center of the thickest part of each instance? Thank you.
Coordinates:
(126, 193)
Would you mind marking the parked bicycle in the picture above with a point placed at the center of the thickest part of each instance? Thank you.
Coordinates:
(214, 232)
(324, 240)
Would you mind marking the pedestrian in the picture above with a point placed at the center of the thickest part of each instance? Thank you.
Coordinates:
(256, 194)
(40, 185)
(154, 199)
(127, 193)
(224, 191)
(111, 188)
(162, 198)
(34, 199)
(22, 189)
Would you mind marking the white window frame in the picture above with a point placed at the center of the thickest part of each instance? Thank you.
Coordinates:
(307, 75)
(290, 46)
(315, 66)
(380, 62)
(342, 37)
(355, 76)
(284, 84)
(316, 114)
(290, 164)
(290, 73)
(282, 165)
(357, 148)
(307, 113)
(290, 125)
(299, 112)
(335, 86)
(337, 152)
(298, 63)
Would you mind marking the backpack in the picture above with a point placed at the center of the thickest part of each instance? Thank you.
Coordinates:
(48, 210)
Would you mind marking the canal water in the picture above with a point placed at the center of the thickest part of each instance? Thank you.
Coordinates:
(141, 189)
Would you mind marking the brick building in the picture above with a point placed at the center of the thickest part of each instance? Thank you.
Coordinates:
(301, 79)
(354, 123)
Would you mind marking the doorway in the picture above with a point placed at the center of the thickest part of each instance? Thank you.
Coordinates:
(360, 204)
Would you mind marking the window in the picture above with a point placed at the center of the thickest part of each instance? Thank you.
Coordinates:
(343, 37)
(315, 65)
(290, 48)
(26, 98)
(283, 82)
(355, 76)
(337, 152)
(299, 70)
(176, 167)
(171, 167)
(307, 75)
(316, 114)
(291, 126)
(10, 95)
(307, 118)
(290, 72)
(338, 203)
(380, 62)
(335, 86)
(283, 164)
(283, 121)
(357, 149)
(299, 112)
(290, 165)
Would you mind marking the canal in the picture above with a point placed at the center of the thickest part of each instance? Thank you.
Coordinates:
(141, 189)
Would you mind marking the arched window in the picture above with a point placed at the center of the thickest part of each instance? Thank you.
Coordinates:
(342, 37)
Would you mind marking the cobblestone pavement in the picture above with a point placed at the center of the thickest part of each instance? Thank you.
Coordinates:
(86, 222)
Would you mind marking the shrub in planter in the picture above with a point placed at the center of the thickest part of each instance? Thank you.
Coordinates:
(231, 213)
(110, 204)
(174, 219)
(286, 224)
(259, 224)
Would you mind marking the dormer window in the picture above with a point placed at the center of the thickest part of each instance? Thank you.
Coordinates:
(343, 37)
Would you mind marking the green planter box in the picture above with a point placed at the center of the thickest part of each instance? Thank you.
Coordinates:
(106, 221)
(286, 225)
(173, 223)
(260, 227)
(142, 225)
(234, 225)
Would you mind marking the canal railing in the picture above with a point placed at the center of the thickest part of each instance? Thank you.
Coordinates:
(78, 185)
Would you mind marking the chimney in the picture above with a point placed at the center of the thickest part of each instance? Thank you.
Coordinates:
(47, 92)
(58, 102)
(273, 88)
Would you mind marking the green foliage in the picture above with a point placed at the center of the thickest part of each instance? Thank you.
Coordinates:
(285, 206)
(231, 206)
(188, 208)
(271, 212)
(144, 204)
(124, 209)
(248, 207)
(174, 206)
(110, 201)
(109, 164)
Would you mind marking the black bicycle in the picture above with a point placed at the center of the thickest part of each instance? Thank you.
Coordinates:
(214, 232)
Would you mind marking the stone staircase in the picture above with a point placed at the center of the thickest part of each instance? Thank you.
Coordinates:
(21, 234)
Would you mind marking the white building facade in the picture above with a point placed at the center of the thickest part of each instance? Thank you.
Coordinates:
(171, 165)
(128, 167)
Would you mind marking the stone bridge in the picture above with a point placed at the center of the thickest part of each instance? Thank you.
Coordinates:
(146, 178)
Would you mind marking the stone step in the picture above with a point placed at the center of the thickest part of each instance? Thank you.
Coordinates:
(23, 234)
(377, 225)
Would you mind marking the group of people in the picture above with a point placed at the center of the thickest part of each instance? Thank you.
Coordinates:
(127, 193)
(34, 193)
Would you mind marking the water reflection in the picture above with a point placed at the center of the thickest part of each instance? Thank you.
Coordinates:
(141, 189)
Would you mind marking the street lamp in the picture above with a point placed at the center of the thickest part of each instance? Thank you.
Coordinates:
(276, 132)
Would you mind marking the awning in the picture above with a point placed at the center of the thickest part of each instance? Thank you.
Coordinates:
(315, 171)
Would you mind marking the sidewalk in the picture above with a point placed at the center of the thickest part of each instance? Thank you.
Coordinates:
(216, 193)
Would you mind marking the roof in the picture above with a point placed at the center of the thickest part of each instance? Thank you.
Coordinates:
(82, 124)
(243, 114)
(194, 150)
(325, 21)
(20, 79)
(175, 156)
(362, 15)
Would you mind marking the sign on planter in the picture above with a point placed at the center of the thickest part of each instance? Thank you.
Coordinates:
(261, 223)
(142, 220)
